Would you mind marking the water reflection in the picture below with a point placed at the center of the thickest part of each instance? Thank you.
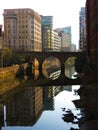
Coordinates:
(23, 107)
(35, 108)
(26, 106)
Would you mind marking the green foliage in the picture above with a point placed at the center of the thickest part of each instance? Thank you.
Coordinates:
(70, 61)
(11, 57)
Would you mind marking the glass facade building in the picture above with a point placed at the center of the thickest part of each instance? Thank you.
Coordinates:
(47, 33)
(67, 31)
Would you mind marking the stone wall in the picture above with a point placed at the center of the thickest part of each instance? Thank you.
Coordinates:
(9, 71)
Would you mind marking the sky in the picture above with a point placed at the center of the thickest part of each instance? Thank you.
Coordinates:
(64, 12)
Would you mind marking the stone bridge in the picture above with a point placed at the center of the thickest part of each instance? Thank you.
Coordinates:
(62, 57)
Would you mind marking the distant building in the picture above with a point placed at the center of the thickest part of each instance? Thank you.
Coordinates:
(82, 29)
(47, 33)
(22, 29)
(72, 47)
(56, 42)
(67, 30)
(65, 34)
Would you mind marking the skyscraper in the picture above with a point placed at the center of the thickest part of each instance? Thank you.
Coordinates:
(22, 29)
(47, 33)
(67, 31)
(82, 28)
(65, 34)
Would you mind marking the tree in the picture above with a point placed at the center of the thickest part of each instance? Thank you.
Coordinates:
(7, 53)
(11, 57)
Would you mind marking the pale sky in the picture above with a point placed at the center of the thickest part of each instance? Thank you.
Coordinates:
(64, 12)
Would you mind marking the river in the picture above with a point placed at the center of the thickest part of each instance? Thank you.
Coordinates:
(29, 107)
(39, 108)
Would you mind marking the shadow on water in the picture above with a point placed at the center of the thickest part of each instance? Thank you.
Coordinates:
(27, 105)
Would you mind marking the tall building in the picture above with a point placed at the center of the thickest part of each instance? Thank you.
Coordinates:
(65, 34)
(64, 41)
(47, 33)
(56, 42)
(92, 30)
(67, 31)
(82, 29)
(22, 29)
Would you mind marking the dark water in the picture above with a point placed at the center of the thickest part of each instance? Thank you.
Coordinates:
(37, 107)
(24, 106)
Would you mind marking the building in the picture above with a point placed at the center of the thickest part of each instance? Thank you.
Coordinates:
(47, 33)
(56, 42)
(82, 29)
(72, 47)
(67, 31)
(22, 29)
(65, 34)
(92, 30)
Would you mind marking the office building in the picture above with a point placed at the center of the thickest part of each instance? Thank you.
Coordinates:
(65, 34)
(67, 31)
(82, 29)
(47, 33)
(56, 41)
(22, 29)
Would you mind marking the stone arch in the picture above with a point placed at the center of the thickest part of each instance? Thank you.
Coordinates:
(62, 56)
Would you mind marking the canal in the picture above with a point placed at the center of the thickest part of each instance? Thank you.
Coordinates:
(37, 107)
(28, 107)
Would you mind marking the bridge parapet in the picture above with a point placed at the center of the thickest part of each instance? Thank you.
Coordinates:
(62, 57)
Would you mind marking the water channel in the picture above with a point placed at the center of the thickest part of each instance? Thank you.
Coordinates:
(29, 107)
(36, 107)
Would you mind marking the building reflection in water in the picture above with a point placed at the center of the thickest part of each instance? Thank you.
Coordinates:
(48, 96)
(25, 107)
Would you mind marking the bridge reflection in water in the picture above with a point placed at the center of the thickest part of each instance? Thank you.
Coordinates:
(62, 80)
(23, 105)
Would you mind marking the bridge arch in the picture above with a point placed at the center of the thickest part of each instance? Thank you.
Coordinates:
(62, 56)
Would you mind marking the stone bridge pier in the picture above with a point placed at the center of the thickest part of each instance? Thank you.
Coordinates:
(62, 57)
